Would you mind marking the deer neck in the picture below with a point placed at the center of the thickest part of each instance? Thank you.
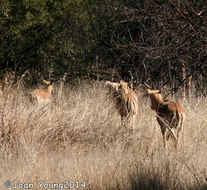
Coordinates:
(50, 89)
(156, 100)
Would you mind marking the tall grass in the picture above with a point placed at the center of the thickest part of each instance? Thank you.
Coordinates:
(78, 138)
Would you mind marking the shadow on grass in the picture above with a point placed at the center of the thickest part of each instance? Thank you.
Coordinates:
(157, 181)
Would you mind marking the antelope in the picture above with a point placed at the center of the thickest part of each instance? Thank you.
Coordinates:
(43, 96)
(126, 100)
(129, 102)
(170, 116)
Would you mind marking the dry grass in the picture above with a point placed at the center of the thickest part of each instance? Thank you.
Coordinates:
(79, 138)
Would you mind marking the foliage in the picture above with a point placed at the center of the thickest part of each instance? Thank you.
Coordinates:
(105, 39)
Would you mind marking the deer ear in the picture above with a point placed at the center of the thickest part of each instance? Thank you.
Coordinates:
(148, 91)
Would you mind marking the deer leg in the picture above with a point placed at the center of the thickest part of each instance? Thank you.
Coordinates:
(175, 138)
(165, 140)
(133, 119)
(164, 134)
(123, 121)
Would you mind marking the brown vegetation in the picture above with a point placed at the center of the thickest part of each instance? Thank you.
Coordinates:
(80, 139)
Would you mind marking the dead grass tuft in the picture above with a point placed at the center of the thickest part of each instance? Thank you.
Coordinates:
(78, 137)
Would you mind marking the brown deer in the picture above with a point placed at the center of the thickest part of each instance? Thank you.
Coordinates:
(129, 102)
(43, 96)
(170, 116)
(126, 101)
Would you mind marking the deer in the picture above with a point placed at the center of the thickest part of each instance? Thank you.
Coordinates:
(43, 96)
(170, 116)
(126, 101)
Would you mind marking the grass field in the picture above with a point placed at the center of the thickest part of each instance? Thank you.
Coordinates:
(78, 138)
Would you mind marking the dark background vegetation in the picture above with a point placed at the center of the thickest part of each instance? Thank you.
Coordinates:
(164, 41)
